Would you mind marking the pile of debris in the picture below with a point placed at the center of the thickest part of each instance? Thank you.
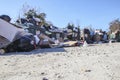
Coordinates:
(27, 34)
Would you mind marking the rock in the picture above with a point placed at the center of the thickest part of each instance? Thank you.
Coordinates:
(42, 73)
(39, 55)
(5, 64)
(87, 70)
(44, 78)
(29, 73)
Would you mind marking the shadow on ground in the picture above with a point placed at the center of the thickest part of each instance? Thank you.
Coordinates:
(37, 51)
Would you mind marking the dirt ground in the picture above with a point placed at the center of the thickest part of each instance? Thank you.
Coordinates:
(95, 62)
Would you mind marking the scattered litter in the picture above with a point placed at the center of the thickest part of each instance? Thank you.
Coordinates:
(85, 44)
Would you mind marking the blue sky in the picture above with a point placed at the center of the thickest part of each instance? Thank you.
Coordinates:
(97, 13)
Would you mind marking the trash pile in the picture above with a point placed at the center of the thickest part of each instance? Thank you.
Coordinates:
(28, 34)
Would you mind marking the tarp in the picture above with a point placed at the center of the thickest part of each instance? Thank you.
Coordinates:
(8, 33)
(8, 30)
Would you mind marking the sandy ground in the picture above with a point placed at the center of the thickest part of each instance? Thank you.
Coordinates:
(98, 62)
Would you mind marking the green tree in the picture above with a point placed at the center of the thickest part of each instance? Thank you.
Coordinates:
(27, 10)
(70, 26)
(31, 12)
(114, 25)
(42, 17)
